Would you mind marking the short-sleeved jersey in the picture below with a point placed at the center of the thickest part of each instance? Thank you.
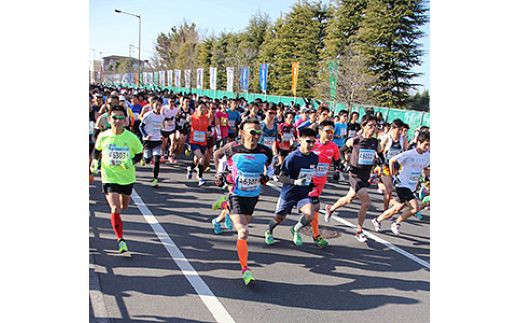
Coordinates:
(233, 120)
(118, 151)
(327, 153)
(199, 127)
(286, 132)
(340, 133)
(296, 166)
(412, 163)
(246, 167)
(268, 135)
(224, 124)
(152, 124)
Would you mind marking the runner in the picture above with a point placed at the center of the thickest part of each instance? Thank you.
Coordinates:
(353, 126)
(233, 120)
(269, 128)
(121, 150)
(247, 161)
(150, 128)
(222, 125)
(328, 153)
(200, 129)
(168, 129)
(412, 162)
(363, 149)
(182, 128)
(296, 175)
(285, 139)
(340, 129)
(393, 145)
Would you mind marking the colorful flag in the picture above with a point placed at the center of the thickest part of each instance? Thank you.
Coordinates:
(229, 76)
(263, 77)
(200, 76)
(177, 78)
(213, 78)
(187, 78)
(244, 78)
(294, 69)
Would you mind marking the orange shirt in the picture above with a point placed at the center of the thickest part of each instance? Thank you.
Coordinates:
(199, 127)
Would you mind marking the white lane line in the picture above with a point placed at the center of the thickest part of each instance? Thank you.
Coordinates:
(371, 236)
(206, 295)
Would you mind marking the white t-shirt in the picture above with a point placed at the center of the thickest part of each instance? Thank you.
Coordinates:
(153, 124)
(169, 125)
(412, 165)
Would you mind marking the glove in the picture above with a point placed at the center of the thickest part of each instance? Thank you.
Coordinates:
(264, 179)
(335, 176)
(299, 182)
(94, 166)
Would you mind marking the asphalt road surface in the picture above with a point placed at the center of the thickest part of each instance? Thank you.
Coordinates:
(180, 271)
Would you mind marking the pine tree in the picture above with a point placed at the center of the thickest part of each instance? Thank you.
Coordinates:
(267, 53)
(388, 39)
(204, 54)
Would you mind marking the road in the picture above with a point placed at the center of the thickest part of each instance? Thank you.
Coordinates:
(348, 281)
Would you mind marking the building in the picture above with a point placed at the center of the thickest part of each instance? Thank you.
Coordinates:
(110, 62)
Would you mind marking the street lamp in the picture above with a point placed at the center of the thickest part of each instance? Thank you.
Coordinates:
(138, 16)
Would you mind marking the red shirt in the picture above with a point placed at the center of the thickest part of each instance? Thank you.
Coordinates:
(326, 153)
(199, 127)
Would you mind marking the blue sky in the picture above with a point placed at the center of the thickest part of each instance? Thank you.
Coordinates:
(111, 33)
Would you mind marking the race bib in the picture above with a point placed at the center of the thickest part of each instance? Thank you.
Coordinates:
(307, 174)
(232, 123)
(157, 125)
(343, 132)
(199, 136)
(169, 123)
(117, 155)
(322, 170)
(414, 178)
(91, 126)
(392, 153)
(223, 122)
(248, 182)
(268, 141)
(287, 136)
(366, 156)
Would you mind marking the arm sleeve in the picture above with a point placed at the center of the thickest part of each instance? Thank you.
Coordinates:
(141, 127)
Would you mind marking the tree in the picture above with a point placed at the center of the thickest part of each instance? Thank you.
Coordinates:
(124, 66)
(388, 39)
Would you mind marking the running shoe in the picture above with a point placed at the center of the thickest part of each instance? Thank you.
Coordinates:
(377, 225)
(201, 182)
(269, 239)
(380, 191)
(320, 242)
(297, 239)
(218, 203)
(396, 228)
(162, 160)
(187, 151)
(361, 237)
(155, 182)
(217, 228)
(418, 215)
(188, 172)
(207, 169)
(328, 213)
(426, 199)
(143, 163)
(172, 160)
(247, 276)
(228, 223)
(122, 246)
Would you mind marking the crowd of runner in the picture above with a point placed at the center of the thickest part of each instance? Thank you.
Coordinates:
(250, 144)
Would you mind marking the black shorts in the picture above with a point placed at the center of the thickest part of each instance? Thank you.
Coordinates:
(404, 194)
(358, 181)
(166, 134)
(283, 153)
(151, 144)
(242, 204)
(91, 146)
(116, 188)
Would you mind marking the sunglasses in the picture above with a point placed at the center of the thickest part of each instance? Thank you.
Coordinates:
(118, 117)
(372, 125)
(255, 132)
(309, 141)
(272, 113)
(329, 130)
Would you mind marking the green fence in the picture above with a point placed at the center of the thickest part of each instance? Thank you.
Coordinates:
(414, 119)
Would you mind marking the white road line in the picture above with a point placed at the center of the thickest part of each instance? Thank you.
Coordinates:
(206, 295)
(372, 236)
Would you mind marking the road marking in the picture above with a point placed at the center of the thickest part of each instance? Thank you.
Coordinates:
(371, 236)
(206, 295)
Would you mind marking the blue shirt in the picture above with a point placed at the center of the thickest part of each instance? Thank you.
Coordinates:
(136, 108)
(340, 134)
(295, 166)
(233, 120)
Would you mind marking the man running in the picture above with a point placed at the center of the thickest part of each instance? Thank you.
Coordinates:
(285, 139)
(168, 130)
(412, 162)
(363, 151)
(328, 153)
(393, 145)
(150, 128)
(121, 149)
(247, 161)
(200, 130)
(296, 175)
